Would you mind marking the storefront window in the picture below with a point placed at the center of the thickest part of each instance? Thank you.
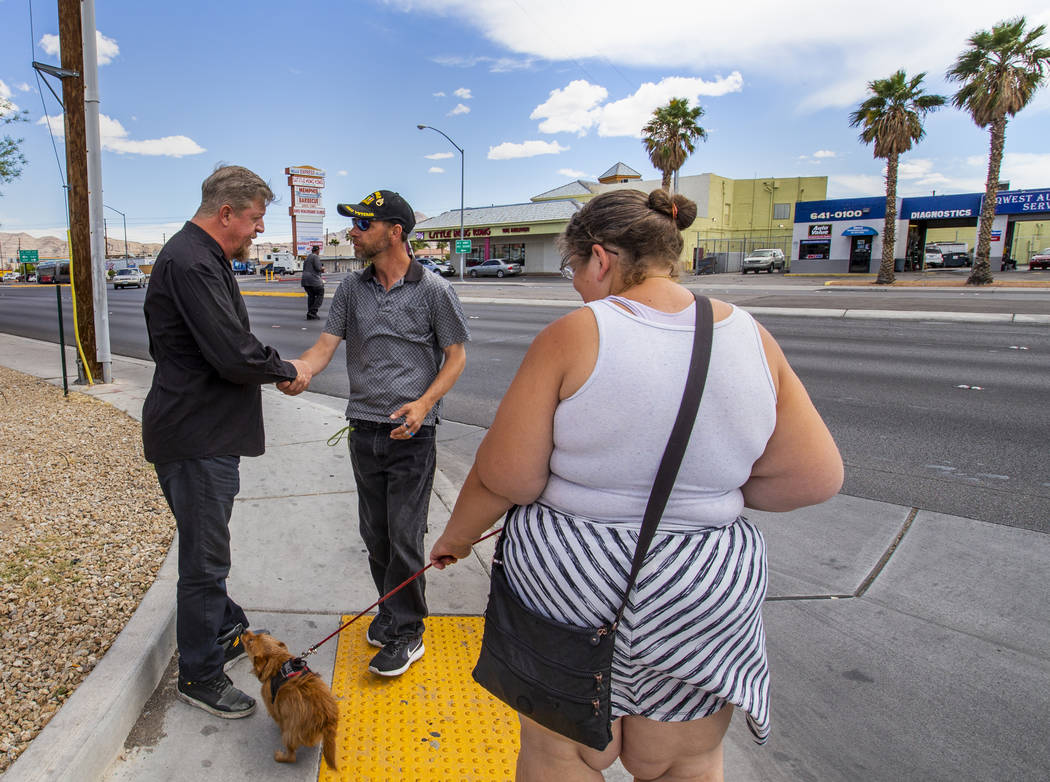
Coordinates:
(814, 251)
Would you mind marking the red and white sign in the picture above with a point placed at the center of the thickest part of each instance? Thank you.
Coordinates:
(304, 171)
(303, 211)
(312, 181)
(306, 191)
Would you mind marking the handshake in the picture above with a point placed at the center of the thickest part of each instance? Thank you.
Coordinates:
(302, 380)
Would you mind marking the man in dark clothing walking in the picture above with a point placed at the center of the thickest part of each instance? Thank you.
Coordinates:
(203, 413)
(312, 283)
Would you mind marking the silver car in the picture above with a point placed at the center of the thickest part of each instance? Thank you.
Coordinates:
(497, 267)
(126, 277)
(763, 261)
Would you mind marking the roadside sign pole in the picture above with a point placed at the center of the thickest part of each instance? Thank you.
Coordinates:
(62, 340)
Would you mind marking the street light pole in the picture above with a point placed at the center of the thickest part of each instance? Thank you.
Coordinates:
(125, 219)
(462, 256)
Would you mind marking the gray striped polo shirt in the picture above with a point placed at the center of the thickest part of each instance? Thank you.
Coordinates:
(395, 339)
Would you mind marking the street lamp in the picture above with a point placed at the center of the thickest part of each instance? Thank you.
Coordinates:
(125, 219)
(462, 256)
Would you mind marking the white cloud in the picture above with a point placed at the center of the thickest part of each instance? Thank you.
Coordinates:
(1020, 169)
(435, 170)
(580, 105)
(114, 139)
(460, 109)
(824, 153)
(495, 64)
(840, 48)
(23, 87)
(463, 93)
(573, 109)
(341, 172)
(439, 95)
(841, 185)
(572, 173)
(106, 47)
(438, 156)
(508, 150)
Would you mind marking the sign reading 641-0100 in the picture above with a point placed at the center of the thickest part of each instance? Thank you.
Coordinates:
(842, 214)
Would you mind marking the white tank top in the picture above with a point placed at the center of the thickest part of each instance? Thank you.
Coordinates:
(610, 435)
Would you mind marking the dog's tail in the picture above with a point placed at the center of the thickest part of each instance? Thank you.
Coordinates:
(328, 745)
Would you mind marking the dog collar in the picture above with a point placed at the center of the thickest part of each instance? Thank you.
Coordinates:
(292, 668)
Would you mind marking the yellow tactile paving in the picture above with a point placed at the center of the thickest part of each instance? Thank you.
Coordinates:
(432, 723)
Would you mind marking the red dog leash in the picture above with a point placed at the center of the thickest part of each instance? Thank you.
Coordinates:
(393, 591)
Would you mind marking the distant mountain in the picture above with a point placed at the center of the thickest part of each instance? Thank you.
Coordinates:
(55, 247)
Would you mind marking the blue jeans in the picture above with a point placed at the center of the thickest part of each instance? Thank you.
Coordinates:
(394, 479)
(200, 494)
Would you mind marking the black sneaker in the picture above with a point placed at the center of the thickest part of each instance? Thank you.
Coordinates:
(232, 647)
(372, 634)
(396, 656)
(216, 696)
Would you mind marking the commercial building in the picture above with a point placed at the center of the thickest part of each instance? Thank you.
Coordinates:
(845, 235)
(733, 217)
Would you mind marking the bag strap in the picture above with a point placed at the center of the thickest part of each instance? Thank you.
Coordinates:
(695, 381)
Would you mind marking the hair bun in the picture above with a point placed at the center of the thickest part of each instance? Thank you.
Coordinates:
(680, 209)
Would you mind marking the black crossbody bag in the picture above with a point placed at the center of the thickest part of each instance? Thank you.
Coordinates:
(559, 674)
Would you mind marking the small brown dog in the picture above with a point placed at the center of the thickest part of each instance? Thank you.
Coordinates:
(297, 698)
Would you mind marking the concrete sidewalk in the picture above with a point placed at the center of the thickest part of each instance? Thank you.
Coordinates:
(903, 644)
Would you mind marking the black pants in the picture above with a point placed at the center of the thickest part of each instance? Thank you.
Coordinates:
(394, 479)
(314, 298)
(200, 493)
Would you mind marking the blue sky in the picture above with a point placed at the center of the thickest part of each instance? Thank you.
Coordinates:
(537, 92)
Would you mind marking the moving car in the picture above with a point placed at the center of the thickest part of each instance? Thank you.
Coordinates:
(763, 261)
(1041, 260)
(497, 267)
(438, 266)
(127, 277)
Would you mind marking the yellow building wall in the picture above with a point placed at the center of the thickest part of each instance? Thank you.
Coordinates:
(1029, 238)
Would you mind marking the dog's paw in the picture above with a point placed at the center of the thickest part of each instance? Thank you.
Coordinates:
(282, 756)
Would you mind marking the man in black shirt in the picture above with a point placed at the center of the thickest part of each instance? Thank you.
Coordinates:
(203, 412)
(312, 283)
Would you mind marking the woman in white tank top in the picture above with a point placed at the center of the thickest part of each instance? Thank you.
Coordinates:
(574, 448)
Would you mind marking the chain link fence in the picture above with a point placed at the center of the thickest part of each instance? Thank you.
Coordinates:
(716, 256)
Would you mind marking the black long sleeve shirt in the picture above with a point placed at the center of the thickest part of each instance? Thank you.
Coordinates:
(205, 399)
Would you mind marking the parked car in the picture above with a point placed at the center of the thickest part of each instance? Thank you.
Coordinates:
(243, 267)
(438, 266)
(12, 277)
(497, 267)
(763, 261)
(944, 254)
(127, 277)
(1041, 260)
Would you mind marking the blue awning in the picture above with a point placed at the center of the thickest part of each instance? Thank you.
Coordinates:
(860, 230)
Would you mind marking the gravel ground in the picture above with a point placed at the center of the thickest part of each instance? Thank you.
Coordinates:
(84, 530)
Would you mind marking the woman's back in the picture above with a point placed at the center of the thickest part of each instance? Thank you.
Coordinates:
(609, 436)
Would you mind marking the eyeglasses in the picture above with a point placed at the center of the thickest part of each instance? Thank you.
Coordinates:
(567, 270)
(362, 224)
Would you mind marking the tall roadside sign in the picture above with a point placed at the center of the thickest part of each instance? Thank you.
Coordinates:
(307, 211)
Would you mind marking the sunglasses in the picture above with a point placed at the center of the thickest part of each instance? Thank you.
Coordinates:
(362, 224)
(568, 271)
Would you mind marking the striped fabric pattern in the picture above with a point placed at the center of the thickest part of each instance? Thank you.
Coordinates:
(691, 639)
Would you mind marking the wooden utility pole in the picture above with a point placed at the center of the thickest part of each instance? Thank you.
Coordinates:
(70, 36)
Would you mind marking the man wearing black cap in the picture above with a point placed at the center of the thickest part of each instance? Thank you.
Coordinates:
(405, 333)
(312, 283)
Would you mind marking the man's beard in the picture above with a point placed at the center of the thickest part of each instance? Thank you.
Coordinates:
(241, 253)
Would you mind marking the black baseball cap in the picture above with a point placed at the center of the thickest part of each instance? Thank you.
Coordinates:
(382, 205)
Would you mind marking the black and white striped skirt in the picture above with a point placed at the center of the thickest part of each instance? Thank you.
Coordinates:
(691, 639)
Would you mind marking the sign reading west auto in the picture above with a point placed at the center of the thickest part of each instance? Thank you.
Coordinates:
(1022, 201)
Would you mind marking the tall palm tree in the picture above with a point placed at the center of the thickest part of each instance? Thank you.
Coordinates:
(670, 136)
(892, 118)
(999, 74)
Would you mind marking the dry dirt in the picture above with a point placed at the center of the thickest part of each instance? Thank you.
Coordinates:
(84, 530)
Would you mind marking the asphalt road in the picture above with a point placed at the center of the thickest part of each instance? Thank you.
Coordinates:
(942, 416)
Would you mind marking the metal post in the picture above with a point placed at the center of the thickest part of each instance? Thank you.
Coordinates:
(462, 156)
(62, 340)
